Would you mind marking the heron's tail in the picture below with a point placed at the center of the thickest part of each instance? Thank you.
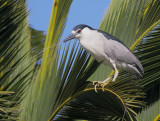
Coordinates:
(139, 72)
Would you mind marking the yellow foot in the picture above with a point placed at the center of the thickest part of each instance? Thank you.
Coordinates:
(99, 83)
(96, 83)
(104, 84)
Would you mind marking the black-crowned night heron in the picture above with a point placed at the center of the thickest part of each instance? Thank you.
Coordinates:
(107, 49)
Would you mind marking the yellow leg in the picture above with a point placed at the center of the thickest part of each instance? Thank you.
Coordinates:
(102, 84)
(106, 81)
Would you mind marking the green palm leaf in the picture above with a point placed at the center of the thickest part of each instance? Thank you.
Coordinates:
(150, 113)
(37, 42)
(15, 66)
(113, 104)
(60, 91)
(146, 47)
(49, 75)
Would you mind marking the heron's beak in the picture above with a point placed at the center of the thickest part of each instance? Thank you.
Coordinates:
(71, 36)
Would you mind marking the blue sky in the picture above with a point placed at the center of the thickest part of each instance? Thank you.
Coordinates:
(88, 12)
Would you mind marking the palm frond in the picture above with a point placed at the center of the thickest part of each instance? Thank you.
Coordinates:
(37, 42)
(53, 63)
(146, 47)
(6, 110)
(113, 104)
(15, 65)
(150, 113)
(148, 52)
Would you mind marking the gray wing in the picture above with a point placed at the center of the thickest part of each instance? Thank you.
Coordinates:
(111, 37)
(116, 50)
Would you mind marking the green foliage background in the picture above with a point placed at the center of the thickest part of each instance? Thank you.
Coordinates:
(61, 87)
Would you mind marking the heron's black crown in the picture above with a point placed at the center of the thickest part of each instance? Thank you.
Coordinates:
(81, 27)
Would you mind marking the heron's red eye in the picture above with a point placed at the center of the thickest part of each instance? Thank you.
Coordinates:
(79, 31)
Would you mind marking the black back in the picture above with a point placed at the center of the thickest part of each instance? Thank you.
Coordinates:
(81, 26)
(109, 36)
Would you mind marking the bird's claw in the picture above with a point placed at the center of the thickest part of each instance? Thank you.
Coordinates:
(95, 82)
(98, 83)
(103, 87)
